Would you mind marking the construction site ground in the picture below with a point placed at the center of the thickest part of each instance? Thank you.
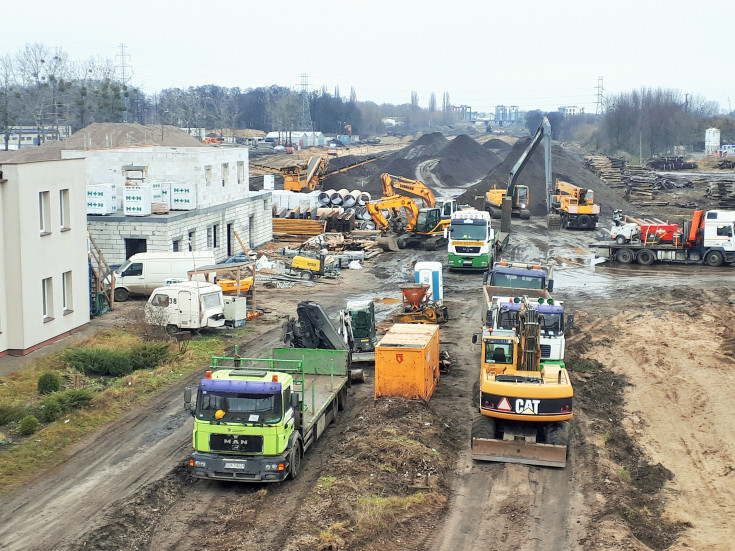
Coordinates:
(651, 463)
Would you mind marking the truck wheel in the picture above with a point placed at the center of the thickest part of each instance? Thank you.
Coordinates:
(294, 459)
(714, 259)
(645, 257)
(624, 256)
(121, 294)
(342, 399)
(620, 240)
(584, 222)
(171, 329)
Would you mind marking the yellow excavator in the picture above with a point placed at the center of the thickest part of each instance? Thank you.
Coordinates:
(575, 206)
(306, 177)
(525, 405)
(519, 195)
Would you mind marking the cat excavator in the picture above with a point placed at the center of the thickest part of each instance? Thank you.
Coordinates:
(305, 177)
(525, 404)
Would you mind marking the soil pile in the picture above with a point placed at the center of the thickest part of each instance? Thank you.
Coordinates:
(428, 145)
(498, 146)
(464, 161)
(565, 165)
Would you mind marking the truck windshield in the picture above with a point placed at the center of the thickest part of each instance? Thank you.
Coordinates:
(210, 300)
(469, 231)
(508, 319)
(552, 322)
(244, 408)
(517, 281)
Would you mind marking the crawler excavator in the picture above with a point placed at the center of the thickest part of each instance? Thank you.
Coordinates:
(519, 195)
(525, 404)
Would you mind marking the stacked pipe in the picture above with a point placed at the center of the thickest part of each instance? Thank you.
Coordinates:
(351, 201)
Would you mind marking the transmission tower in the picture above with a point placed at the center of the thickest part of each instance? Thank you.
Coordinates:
(305, 125)
(126, 72)
(599, 108)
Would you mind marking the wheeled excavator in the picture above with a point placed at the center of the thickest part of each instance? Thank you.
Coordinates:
(525, 404)
(575, 206)
(517, 194)
(306, 177)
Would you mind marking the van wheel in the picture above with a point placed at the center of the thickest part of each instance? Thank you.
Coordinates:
(171, 329)
(121, 295)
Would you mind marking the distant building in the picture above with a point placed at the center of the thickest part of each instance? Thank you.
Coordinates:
(27, 136)
(506, 114)
(571, 110)
(296, 137)
(712, 141)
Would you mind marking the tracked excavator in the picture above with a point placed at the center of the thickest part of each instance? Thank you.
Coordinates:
(525, 404)
(422, 228)
(306, 177)
(519, 195)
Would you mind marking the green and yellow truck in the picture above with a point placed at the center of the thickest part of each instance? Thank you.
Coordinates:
(254, 418)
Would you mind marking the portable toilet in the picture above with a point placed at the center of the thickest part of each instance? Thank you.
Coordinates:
(430, 273)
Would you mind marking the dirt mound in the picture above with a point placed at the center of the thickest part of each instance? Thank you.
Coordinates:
(464, 161)
(428, 145)
(566, 165)
(497, 145)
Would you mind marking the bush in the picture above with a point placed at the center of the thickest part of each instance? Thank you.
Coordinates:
(9, 414)
(75, 398)
(51, 409)
(28, 425)
(149, 355)
(99, 361)
(49, 382)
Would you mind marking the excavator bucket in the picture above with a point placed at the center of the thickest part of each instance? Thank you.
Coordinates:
(388, 243)
(527, 453)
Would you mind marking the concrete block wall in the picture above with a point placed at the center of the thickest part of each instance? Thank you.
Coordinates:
(160, 231)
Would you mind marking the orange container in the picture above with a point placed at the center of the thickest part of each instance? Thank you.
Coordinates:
(407, 361)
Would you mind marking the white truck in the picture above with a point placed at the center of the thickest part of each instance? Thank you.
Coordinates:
(186, 305)
(472, 242)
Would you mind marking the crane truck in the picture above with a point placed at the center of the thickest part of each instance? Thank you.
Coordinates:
(525, 405)
(575, 206)
(519, 195)
(471, 241)
(708, 238)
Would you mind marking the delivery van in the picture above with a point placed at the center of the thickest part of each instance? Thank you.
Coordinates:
(187, 305)
(143, 272)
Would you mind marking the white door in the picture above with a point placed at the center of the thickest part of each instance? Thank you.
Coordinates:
(188, 312)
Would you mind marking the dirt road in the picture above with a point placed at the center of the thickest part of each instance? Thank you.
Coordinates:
(651, 463)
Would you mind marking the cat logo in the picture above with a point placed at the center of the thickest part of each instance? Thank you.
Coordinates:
(399, 358)
(527, 407)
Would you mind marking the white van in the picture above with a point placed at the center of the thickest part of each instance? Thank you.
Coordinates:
(187, 305)
(143, 272)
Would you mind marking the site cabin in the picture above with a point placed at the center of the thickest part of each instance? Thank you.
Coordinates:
(708, 239)
(186, 305)
(144, 272)
(472, 243)
(254, 418)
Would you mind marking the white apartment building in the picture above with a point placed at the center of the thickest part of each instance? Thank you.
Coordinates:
(44, 274)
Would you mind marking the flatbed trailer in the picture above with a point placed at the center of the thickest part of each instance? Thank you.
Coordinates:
(256, 417)
(648, 253)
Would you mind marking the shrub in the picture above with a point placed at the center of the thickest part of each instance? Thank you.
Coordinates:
(49, 382)
(75, 398)
(28, 425)
(100, 361)
(149, 355)
(8, 414)
(51, 409)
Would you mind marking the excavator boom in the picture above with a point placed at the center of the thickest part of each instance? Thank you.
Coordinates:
(414, 187)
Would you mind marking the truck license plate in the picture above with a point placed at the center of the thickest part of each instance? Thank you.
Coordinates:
(230, 465)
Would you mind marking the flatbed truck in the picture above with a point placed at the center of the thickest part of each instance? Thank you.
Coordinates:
(254, 418)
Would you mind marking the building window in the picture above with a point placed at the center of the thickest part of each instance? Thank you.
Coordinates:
(215, 233)
(64, 214)
(265, 204)
(47, 295)
(177, 245)
(66, 293)
(225, 173)
(240, 172)
(191, 240)
(209, 237)
(44, 208)
(208, 175)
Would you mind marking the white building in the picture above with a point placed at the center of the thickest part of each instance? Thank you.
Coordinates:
(26, 136)
(297, 137)
(44, 274)
(221, 205)
(571, 110)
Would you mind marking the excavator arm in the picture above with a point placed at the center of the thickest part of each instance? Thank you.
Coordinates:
(394, 203)
(414, 187)
(542, 133)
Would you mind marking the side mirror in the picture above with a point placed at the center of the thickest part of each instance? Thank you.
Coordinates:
(476, 338)
(550, 286)
(446, 233)
(187, 400)
(295, 401)
(568, 321)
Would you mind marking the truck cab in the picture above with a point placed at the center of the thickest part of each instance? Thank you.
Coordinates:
(471, 241)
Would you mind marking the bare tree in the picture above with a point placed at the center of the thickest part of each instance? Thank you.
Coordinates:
(432, 102)
(9, 97)
(353, 95)
(414, 100)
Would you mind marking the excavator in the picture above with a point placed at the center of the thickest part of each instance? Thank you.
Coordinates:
(306, 177)
(519, 195)
(424, 227)
(575, 206)
(525, 404)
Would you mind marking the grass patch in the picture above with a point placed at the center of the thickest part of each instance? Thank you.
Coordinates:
(79, 411)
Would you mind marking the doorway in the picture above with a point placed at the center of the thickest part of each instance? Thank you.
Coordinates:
(134, 246)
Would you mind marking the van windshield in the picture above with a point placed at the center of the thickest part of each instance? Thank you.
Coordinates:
(125, 264)
(210, 300)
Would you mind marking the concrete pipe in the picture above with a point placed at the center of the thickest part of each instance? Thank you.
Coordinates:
(324, 197)
(338, 197)
(350, 199)
(364, 198)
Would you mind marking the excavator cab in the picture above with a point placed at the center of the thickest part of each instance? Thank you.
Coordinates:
(522, 197)
(428, 221)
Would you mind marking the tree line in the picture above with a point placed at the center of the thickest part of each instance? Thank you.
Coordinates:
(643, 123)
(42, 88)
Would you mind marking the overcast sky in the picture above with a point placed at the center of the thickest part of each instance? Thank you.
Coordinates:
(533, 54)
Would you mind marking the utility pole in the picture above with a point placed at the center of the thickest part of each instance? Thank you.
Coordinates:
(599, 107)
(126, 72)
(306, 124)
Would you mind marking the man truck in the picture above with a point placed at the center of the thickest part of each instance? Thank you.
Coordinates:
(471, 241)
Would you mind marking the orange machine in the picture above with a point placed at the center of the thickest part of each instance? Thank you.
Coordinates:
(407, 361)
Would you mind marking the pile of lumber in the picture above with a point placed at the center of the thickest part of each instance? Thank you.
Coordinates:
(297, 226)
(608, 169)
(723, 193)
(670, 163)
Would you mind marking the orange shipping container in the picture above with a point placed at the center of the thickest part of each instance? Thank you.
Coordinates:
(407, 361)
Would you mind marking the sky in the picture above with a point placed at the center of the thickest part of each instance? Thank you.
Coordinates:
(532, 54)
